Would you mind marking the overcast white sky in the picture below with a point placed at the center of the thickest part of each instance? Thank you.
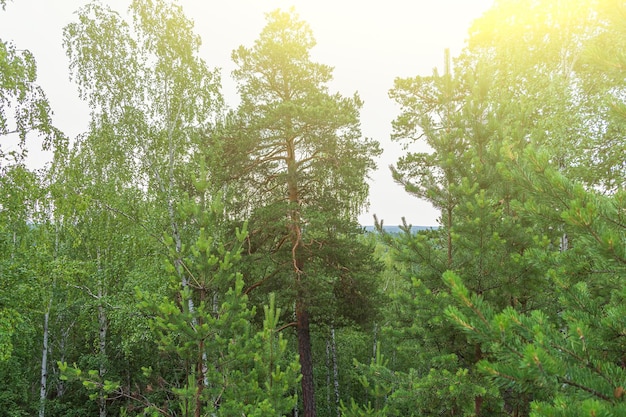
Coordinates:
(369, 43)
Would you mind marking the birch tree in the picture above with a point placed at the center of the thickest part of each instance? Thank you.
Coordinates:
(151, 98)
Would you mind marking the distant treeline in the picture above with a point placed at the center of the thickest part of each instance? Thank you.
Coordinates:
(398, 229)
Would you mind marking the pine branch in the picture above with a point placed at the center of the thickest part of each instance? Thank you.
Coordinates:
(584, 388)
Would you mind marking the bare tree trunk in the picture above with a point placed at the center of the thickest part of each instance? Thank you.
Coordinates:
(564, 245)
(302, 313)
(333, 349)
(375, 344)
(306, 360)
(102, 334)
(449, 231)
(328, 364)
(103, 327)
(43, 387)
(203, 369)
(199, 382)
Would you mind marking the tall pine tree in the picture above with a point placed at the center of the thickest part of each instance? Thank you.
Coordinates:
(299, 151)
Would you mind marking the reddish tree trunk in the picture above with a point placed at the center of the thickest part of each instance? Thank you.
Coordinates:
(306, 359)
(302, 313)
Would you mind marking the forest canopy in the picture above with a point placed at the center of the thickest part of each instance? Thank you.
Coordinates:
(186, 257)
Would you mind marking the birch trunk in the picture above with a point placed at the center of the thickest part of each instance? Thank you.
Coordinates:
(43, 387)
(103, 327)
(202, 368)
(102, 336)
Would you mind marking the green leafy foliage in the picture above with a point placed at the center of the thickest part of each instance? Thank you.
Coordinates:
(170, 269)
(24, 107)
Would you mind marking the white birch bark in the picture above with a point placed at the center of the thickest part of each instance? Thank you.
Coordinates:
(43, 386)
(103, 326)
(102, 334)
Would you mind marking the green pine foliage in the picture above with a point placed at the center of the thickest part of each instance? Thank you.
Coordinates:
(181, 271)
(569, 358)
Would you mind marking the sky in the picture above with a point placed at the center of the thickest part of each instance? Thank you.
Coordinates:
(369, 44)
